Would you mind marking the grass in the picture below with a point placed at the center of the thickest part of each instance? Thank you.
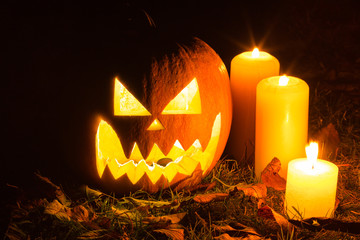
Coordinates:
(175, 215)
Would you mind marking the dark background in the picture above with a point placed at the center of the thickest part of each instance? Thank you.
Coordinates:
(55, 56)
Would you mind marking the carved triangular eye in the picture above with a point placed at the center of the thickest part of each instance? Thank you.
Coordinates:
(186, 102)
(125, 104)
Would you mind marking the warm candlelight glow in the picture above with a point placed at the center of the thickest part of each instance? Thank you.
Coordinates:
(255, 53)
(281, 123)
(312, 153)
(155, 125)
(311, 189)
(283, 80)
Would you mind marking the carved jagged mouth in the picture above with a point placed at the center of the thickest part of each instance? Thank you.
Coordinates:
(109, 152)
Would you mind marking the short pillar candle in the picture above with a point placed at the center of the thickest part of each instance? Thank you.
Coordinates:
(311, 186)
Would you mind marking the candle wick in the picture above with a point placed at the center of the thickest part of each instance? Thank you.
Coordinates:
(312, 166)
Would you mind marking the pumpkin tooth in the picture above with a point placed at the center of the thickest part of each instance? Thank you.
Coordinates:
(140, 169)
(187, 164)
(135, 171)
(172, 169)
(176, 151)
(193, 149)
(136, 153)
(117, 169)
(154, 155)
(154, 172)
(197, 144)
(129, 169)
(178, 144)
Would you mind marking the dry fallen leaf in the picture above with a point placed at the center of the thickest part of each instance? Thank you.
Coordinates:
(236, 227)
(152, 204)
(99, 234)
(268, 213)
(225, 228)
(126, 215)
(270, 175)
(226, 236)
(173, 218)
(174, 233)
(57, 209)
(209, 197)
(80, 214)
(258, 191)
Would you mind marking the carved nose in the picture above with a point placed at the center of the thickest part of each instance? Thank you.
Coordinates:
(155, 125)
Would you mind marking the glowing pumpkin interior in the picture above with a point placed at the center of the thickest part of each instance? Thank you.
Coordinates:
(109, 150)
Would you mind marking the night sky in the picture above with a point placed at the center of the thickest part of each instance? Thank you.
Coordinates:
(56, 55)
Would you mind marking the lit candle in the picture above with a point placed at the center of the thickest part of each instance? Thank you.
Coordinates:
(282, 106)
(246, 71)
(311, 186)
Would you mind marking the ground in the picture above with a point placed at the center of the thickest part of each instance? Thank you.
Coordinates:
(317, 41)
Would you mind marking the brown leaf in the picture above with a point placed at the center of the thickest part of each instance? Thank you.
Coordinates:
(173, 218)
(238, 227)
(175, 234)
(226, 236)
(80, 214)
(328, 141)
(270, 175)
(128, 215)
(257, 190)
(268, 213)
(57, 209)
(151, 203)
(100, 233)
(225, 228)
(209, 197)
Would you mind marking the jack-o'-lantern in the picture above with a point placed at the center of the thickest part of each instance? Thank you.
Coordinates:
(172, 128)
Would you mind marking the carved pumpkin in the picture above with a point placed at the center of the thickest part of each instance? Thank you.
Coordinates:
(168, 126)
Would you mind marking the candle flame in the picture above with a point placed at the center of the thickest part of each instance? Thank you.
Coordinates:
(255, 53)
(312, 153)
(283, 80)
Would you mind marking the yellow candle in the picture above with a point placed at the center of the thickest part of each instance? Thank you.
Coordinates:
(246, 71)
(311, 186)
(282, 105)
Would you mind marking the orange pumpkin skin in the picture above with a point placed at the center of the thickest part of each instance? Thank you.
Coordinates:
(167, 76)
